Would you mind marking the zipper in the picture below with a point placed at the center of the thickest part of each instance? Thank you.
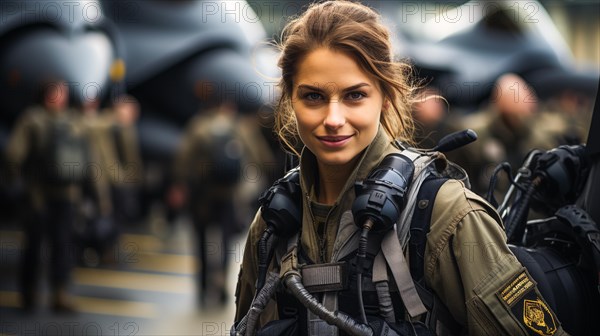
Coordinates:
(312, 219)
(324, 243)
(322, 238)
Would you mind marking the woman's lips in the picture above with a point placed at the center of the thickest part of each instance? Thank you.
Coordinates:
(334, 140)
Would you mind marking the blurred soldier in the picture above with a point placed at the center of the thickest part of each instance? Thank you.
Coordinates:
(511, 126)
(565, 117)
(503, 129)
(217, 147)
(100, 230)
(259, 168)
(48, 144)
(126, 162)
(113, 134)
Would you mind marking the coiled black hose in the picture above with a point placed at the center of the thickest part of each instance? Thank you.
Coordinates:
(258, 305)
(265, 253)
(293, 281)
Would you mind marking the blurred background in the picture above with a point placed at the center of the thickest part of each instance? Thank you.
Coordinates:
(169, 104)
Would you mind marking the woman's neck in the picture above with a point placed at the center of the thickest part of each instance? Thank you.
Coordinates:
(332, 179)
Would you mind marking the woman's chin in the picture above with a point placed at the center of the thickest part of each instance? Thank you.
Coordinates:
(334, 160)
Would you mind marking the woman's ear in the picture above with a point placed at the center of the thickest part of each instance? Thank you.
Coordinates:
(386, 104)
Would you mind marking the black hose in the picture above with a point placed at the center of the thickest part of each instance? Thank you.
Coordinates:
(259, 303)
(386, 307)
(361, 257)
(504, 166)
(264, 256)
(519, 214)
(293, 281)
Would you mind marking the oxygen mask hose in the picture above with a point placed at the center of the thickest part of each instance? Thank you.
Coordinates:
(361, 257)
(265, 253)
(378, 205)
(293, 282)
(292, 279)
(249, 322)
(518, 217)
(281, 211)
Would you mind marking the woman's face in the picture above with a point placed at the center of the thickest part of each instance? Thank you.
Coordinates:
(337, 106)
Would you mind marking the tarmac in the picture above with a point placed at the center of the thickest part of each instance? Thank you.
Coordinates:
(146, 286)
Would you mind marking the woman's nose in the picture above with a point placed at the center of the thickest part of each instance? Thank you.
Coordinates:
(335, 115)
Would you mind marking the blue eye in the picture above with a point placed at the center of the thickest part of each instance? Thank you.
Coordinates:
(312, 96)
(356, 95)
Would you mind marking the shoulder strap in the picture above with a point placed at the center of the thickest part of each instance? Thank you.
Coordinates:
(419, 227)
(438, 317)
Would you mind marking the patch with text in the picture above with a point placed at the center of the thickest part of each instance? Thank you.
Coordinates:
(527, 306)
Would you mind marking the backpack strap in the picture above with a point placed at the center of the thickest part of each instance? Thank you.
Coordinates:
(438, 316)
(392, 244)
(419, 227)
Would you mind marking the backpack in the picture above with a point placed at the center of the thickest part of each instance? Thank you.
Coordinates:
(66, 153)
(225, 159)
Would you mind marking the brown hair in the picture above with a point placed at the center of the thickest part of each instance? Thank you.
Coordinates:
(356, 30)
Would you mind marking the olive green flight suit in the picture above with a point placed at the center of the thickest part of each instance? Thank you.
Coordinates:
(484, 287)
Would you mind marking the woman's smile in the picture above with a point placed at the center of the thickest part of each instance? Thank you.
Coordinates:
(334, 141)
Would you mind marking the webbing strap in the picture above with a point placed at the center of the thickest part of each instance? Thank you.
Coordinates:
(289, 262)
(316, 326)
(379, 268)
(392, 252)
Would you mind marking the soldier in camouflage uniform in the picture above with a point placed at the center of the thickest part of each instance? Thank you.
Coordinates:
(503, 129)
(221, 161)
(513, 123)
(50, 153)
(112, 133)
(126, 166)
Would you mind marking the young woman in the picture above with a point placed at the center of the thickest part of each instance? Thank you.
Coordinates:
(347, 101)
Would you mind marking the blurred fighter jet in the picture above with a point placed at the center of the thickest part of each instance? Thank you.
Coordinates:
(181, 56)
(173, 56)
(181, 53)
(44, 40)
(462, 50)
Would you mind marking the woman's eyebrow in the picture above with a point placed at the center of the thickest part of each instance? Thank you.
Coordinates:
(354, 87)
(320, 89)
(309, 87)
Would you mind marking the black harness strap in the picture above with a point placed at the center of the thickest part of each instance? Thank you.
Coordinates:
(419, 227)
(438, 317)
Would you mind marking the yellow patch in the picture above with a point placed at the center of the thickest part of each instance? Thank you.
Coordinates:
(538, 317)
(516, 289)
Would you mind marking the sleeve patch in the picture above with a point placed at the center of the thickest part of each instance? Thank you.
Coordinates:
(516, 289)
(526, 305)
(538, 317)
